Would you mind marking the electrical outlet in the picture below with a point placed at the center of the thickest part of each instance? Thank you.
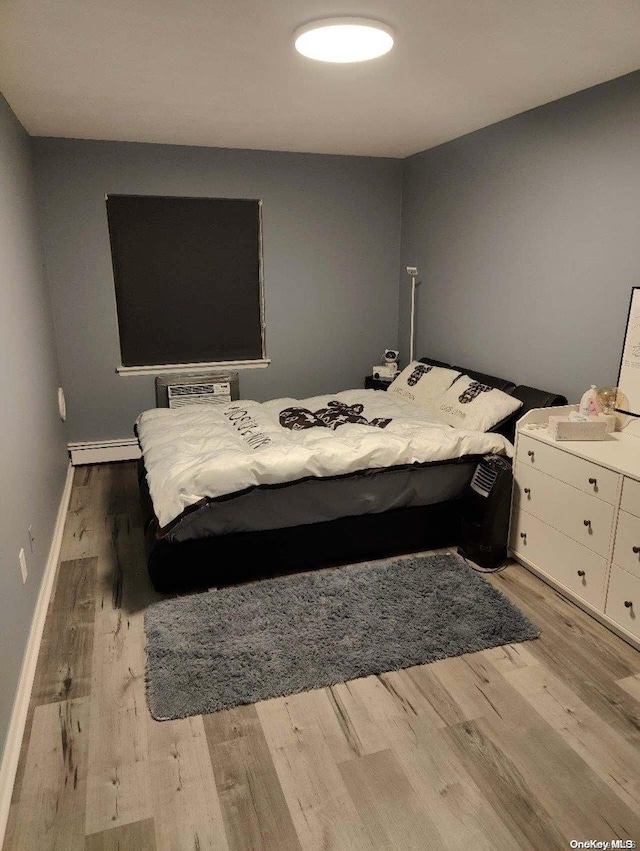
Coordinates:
(23, 565)
(32, 539)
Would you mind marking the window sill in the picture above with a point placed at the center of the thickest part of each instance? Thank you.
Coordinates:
(193, 367)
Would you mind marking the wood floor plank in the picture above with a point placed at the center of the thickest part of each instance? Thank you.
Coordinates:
(564, 620)
(459, 809)
(392, 812)
(594, 684)
(63, 669)
(118, 667)
(506, 789)
(631, 685)
(139, 836)
(24, 750)
(313, 713)
(253, 805)
(64, 663)
(510, 657)
(231, 724)
(89, 486)
(10, 830)
(466, 685)
(602, 748)
(82, 490)
(547, 772)
(86, 521)
(123, 495)
(127, 562)
(442, 703)
(323, 814)
(346, 725)
(118, 784)
(402, 686)
(183, 790)
(49, 815)
(576, 647)
(579, 651)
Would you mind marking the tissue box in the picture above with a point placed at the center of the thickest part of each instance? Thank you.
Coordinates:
(610, 420)
(562, 428)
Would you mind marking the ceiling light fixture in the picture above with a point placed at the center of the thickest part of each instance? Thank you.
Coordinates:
(344, 39)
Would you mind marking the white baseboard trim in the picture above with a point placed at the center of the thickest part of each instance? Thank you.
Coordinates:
(18, 720)
(104, 451)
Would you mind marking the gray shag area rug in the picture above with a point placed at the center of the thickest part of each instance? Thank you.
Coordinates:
(280, 636)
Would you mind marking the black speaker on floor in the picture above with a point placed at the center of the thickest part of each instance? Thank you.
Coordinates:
(486, 507)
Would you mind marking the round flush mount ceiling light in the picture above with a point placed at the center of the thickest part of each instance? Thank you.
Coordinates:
(344, 39)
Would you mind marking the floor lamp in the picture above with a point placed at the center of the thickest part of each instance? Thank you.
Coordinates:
(413, 272)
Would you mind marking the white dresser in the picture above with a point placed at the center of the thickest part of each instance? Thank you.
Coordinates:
(575, 519)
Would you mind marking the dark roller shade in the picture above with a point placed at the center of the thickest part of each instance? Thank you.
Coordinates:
(187, 278)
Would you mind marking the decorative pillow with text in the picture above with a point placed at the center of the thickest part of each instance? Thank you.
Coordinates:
(422, 384)
(470, 405)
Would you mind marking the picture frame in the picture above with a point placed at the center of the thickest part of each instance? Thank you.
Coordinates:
(628, 395)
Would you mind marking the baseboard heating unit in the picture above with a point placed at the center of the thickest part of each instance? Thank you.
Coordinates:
(104, 451)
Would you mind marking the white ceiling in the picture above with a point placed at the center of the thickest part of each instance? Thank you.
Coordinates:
(225, 72)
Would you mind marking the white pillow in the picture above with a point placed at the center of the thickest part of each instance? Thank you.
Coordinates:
(421, 383)
(477, 407)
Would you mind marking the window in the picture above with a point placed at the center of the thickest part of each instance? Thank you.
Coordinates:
(188, 281)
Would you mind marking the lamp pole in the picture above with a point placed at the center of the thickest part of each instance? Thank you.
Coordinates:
(413, 272)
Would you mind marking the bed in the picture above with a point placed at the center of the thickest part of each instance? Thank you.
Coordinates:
(257, 489)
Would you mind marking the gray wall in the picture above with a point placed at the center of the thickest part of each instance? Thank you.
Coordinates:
(527, 238)
(331, 253)
(34, 458)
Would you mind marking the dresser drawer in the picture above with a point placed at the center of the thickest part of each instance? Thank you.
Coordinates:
(580, 570)
(631, 496)
(577, 514)
(624, 588)
(584, 475)
(626, 551)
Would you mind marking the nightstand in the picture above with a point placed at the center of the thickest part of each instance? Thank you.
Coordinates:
(371, 383)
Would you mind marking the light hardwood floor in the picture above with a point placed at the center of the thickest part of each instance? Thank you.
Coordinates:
(525, 746)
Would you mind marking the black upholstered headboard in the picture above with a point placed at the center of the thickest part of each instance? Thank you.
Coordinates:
(531, 397)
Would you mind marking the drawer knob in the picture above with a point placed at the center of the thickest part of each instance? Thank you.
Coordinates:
(593, 482)
(530, 453)
(581, 573)
(628, 604)
(587, 523)
(636, 550)
(523, 535)
(528, 491)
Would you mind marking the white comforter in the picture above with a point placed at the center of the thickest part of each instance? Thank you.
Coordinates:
(204, 451)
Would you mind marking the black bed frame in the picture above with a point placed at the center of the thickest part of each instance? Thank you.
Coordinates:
(220, 560)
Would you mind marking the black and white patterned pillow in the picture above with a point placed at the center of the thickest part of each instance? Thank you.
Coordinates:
(471, 405)
(421, 383)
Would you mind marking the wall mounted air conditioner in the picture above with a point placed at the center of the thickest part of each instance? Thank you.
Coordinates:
(212, 388)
